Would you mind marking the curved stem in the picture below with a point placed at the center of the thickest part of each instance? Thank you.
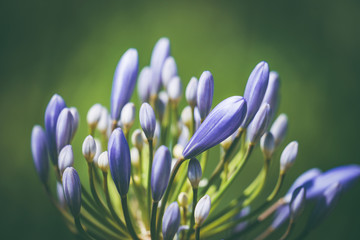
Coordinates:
(80, 228)
(127, 218)
(153, 221)
(151, 149)
(192, 219)
(288, 230)
(93, 189)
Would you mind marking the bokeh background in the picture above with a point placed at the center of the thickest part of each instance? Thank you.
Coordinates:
(72, 48)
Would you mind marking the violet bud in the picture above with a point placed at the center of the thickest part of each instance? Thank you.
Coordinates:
(279, 129)
(137, 139)
(222, 121)
(202, 210)
(39, 151)
(159, 54)
(147, 120)
(104, 121)
(171, 221)
(103, 162)
(174, 89)
(66, 158)
(255, 90)
(93, 115)
(169, 71)
(72, 190)
(89, 148)
(128, 115)
(144, 85)
(76, 118)
(64, 128)
(297, 202)
(259, 124)
(60, 195)
(267, 145)
(272, 93)
(124, 82)
(53, 109)
(194, 173)
(119, 161)
(161, 104)
(288, 156)
(205, 92)
(160, 172)
(191, 92)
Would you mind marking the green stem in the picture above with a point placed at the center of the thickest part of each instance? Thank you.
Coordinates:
(151, 149)
(192, 219)
(153, 221)
(93, 189)
(197, 233)
(80, 228)
(288, 230)
(127, 217)
(277, 187)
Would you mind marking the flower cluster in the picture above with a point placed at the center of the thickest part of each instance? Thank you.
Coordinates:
(148, 183)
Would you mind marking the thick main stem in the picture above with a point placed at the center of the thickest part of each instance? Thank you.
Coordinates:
(153, 221)
(127, 218)
(151, 149)
(192, 219)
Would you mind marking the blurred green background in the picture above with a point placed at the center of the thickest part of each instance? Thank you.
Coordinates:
(72, 48)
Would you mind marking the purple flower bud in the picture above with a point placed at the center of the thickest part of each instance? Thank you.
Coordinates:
(147, 120)
(222, 121)
(267, 145)
(119, 161)
(159, 54)
(194, 172)
(60, 195)
(124, 81)
(272, 93)
(279, 129)
(64, 129)
(288, 156)
(259, 124)
(72, 190)
(76, 118)
(161, 104)
(191, 91)
(205, 92)
(171, 221)
(169, 71)
(255, 90)
(202, 210)
(66, 158)
(174, 89)
(144, 85)
(160, 172)
(53, 109)
(297, 202)
(40, 153)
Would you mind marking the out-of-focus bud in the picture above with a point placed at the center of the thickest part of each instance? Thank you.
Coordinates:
(227, 142)
(104, 121)
(177, 151)
(160, 173)
(288, 156)
(197, 118)
(272, 93)
(128, 115)
(194, 173)
(93, 115)
(297, 203)
(222, 121)
(184, 136)
(119, 161)
(205, 92)
(135, 157)
(66, 158)
(137, 139)
(174, 89)
(186, 116)
(103, 162)
(161, 104)
(202, 210)
(159, 54)
(255, 90)
(267, 145)
(169, 71)
(183, 200)
(64, 128)
(89, 148)
(72, 190)
(98, 151)
(124, 82)
(40, 153)
(279, 129)
(171, 221)
(53, 109)
(60, 195)
(76, 118)
(259, 124)
(191, 92)
(144, 85)
(147, 120)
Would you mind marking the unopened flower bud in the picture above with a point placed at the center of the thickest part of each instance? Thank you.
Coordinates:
(147, 120)
(267, 145)
(183, 199)
(279, 129)
(174, 89)
(228, 141)
(169, 71)
(98, 150)
(191, 92)
(93, 115)
(60, 195)
(104, 120)
(259, 124)
(135, 157)
(103, 162)
(186, 116)
(40, 153)
(297, 202)
(128, 115)
(202, 210)
(76, 118)
(144, 84)
(184, 136)
(272, 93)
(66, 158)
(194, 172)
(64, 128)
(161, 104)
(288, 156)
(72, 190)
(89, 148)
(159, 54)
(137, 139)
(177, 151)
(160, 172)
(171, 221)
(205, 92)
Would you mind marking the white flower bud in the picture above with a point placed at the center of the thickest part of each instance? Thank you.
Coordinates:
(94, 114)
(137, 139)
(104, 121)
(191, 92)
(135, 157)
(169, 71)
(183, 200)
(186, 116)
(177, 151)
(174, 89)
(267, 145)
(202, 210)
(128, 115)
(98, 150)
(103, 162)
(66, 158)
(288, 156)
(89, 148)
